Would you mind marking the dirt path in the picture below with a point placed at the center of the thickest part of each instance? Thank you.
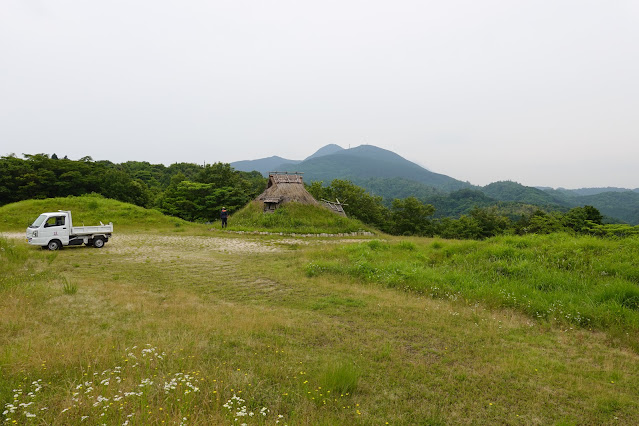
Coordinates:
(126, 243)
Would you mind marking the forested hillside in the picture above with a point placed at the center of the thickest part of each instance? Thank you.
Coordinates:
(189, 191)
(513, 191)
(621, 205)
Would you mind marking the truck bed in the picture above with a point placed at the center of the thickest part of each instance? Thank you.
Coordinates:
(88, 230)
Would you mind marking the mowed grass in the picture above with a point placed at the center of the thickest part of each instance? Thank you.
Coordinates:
(174, 328)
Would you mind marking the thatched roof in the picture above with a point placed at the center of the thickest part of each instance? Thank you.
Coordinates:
(284, 178)
(283, 188)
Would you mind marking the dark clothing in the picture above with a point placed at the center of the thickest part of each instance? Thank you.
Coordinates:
(224, 216)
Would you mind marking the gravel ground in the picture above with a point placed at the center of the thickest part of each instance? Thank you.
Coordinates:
(140, 247)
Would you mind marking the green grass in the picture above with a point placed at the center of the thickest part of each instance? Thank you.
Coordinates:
(90, 210)
(201, 327)
(340, 377)
(574, 281)
(69, 287)
(294, 218)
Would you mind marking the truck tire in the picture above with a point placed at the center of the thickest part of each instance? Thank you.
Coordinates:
(54, 245)
(98, 242)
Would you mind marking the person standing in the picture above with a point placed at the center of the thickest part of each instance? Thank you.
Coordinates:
(224, 216)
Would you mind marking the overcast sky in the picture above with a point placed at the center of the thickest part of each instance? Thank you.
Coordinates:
(539, 92)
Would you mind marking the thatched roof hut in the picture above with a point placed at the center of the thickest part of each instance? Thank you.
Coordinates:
(282, 188)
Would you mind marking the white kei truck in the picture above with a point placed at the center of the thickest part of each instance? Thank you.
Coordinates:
(55, 229)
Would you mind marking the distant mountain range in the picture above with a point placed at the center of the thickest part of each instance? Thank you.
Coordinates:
(276, 164)
(390, 176)
(263, 165)
(358, 165)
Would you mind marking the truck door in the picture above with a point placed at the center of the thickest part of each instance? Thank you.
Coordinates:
(56, 228)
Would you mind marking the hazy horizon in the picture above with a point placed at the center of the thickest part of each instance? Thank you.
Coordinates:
(543, 93)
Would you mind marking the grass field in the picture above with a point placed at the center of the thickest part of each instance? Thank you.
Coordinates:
(186, 325)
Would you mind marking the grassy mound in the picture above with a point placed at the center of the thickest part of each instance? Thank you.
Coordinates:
(90, 210)
(294, 217)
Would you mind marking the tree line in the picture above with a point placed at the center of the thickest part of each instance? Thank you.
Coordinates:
(198, 192)
(412, 216)
(190, 191)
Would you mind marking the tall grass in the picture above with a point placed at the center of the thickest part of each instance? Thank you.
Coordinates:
(576, 281)
(20, 266)
(341, 376)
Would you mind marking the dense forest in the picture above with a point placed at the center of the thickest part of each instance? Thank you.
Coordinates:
(198, 192)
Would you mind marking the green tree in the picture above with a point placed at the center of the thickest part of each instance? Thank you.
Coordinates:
(360, 204)
(582, 219)
(539, 222)
(490, 223)
(464, 228)
(218, 174)
(411, 217)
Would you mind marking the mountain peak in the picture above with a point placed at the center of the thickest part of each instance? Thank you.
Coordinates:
(325, 150)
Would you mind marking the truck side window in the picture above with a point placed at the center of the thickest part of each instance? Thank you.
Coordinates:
(54, 221)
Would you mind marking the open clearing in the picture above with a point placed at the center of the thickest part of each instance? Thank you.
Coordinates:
(237, 315)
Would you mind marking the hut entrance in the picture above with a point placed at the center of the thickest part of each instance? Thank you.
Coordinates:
(270, 204)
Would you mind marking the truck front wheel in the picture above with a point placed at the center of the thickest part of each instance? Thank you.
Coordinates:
(98, 242)
(54, 245)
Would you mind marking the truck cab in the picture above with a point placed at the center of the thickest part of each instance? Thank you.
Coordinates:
(53, 230)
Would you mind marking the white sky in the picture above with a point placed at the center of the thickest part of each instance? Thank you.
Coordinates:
(542, 92)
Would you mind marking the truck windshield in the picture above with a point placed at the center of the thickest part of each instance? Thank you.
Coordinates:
(39, 221)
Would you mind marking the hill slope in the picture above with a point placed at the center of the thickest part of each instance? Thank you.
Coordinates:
(262, 165)
(513, 191)
(274, 163)
(620, 205)
(87, 209)
(325, 150)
